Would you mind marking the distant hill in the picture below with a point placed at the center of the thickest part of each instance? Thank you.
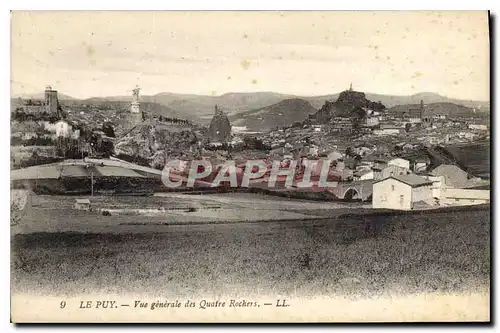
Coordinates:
(192, 109)
(431, 109)
(283, 113)
(41, 96)
(203, 105)
(107, 99)
(124, 106)
(165, 111)
(234, 103)
(250, 101)
(199, 108)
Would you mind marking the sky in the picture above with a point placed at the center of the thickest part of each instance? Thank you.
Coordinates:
(91, 54)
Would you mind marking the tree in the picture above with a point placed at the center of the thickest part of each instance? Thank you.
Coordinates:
(357, 160)
(350, 152)
(358, 119)
(16, 141)
(106, 148)
(19, 115)
(108, 130)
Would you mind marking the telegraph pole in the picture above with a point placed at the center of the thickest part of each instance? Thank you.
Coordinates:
(89, 166)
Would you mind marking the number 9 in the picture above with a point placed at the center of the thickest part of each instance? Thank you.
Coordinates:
(63, 304)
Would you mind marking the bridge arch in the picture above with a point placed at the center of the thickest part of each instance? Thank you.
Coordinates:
(351, 194)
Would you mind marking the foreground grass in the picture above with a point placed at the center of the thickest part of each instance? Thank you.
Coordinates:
(355, 256)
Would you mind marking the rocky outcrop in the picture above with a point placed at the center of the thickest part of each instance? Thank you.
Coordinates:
(155, 142)
(220, 127)
(348, 104)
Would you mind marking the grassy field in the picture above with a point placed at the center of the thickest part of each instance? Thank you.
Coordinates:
(354, 256)
(145, 214)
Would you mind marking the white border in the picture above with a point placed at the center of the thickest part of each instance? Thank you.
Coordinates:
(192, 5)
(253, 5)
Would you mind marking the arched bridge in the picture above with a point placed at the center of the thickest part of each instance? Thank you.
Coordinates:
(357, 190)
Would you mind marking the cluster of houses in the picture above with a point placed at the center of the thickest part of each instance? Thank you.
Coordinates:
(397, 184)
(415, 116)
(395, 126)
(59, 129)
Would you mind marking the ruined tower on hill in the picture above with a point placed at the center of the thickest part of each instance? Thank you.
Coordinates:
(51, 100)
(220, 127)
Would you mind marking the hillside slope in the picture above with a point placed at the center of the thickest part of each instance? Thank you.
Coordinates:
(432, 109)
(284, 113)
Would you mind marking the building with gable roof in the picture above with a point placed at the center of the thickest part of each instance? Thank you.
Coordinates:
(403, 192)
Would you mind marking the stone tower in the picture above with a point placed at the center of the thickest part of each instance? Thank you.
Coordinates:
(51, 101)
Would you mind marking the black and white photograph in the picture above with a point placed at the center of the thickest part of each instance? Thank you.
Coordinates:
(250, 166)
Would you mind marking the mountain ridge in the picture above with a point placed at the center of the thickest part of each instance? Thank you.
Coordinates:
(245, 101)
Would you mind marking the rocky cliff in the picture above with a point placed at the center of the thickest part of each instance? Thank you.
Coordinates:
(155, 142)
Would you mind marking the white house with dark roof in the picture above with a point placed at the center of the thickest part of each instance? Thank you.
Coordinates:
(363, 174)
(403, 192)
